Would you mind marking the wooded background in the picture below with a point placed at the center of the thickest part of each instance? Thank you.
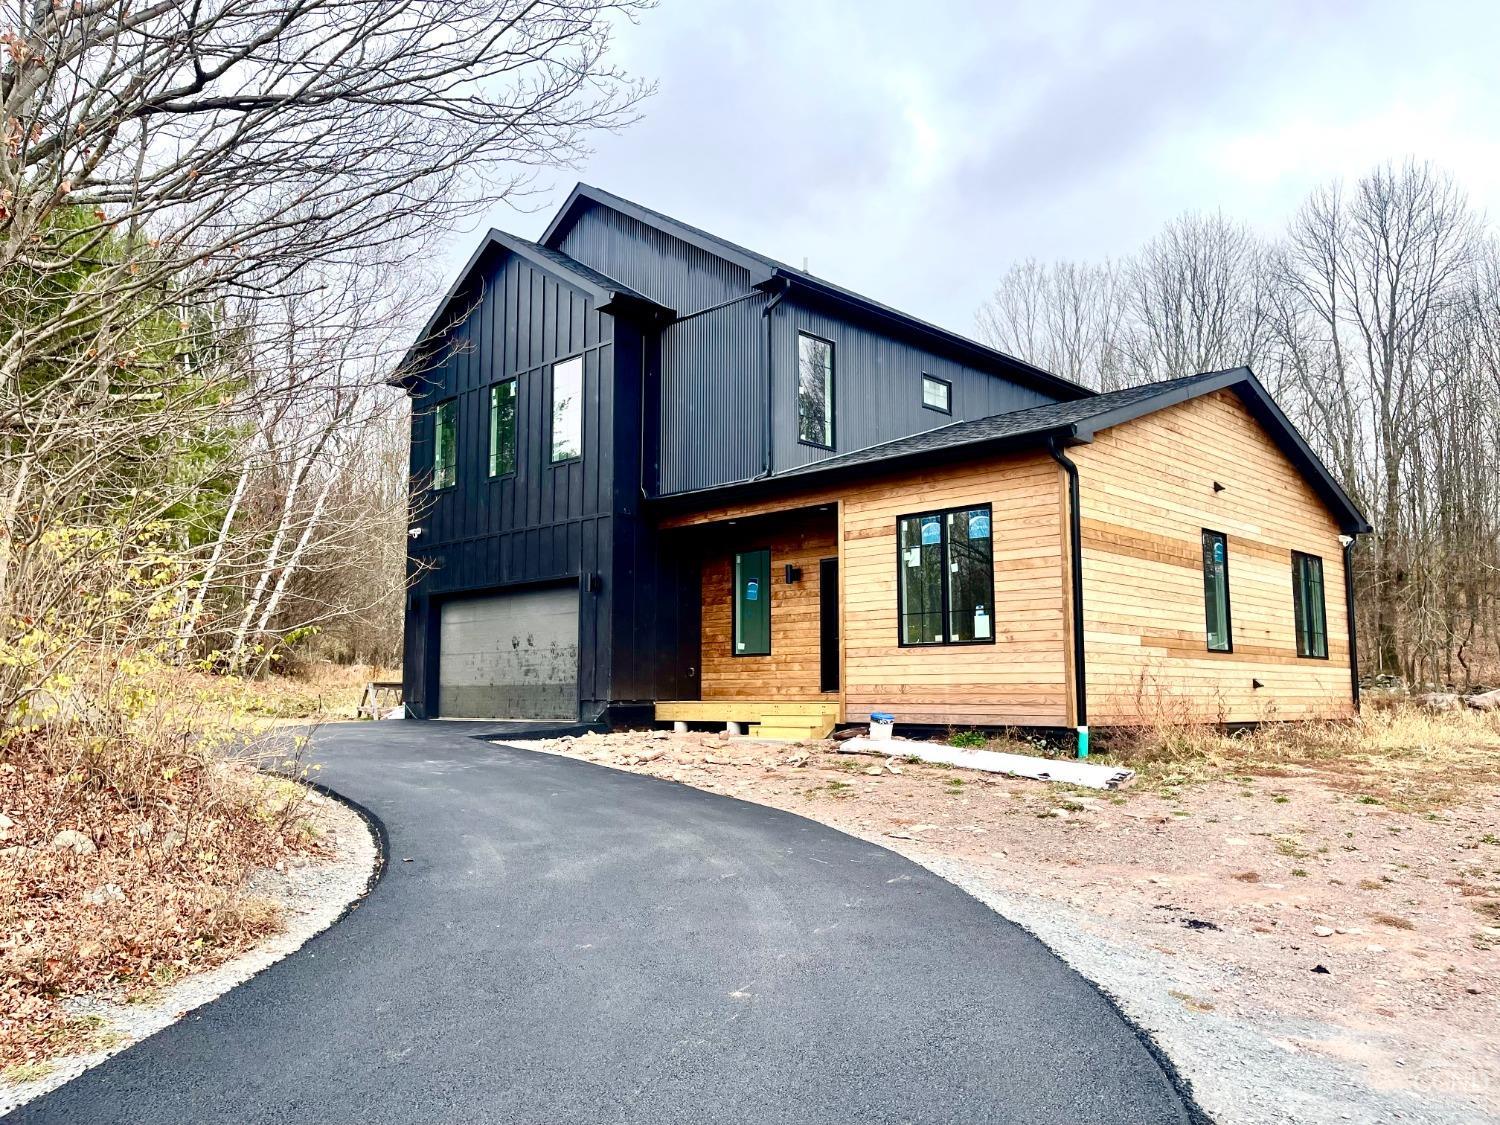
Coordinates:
(1374, 319)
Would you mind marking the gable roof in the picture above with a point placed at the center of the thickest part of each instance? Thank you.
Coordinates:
(767, 272)
(608, 295)
(1079, 421)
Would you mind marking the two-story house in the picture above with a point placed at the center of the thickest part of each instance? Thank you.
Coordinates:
(656, 474)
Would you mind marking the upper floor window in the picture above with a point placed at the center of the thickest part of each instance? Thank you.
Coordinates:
(567, 409)
(814, 390)
(444, 446)
(937, 394)
(946, 577)
(503, 428)
(1307, 605)
(1216, 591)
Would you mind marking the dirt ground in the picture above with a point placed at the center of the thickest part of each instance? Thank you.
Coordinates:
(1282, 907)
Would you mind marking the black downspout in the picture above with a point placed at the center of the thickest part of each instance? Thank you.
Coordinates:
(1353, 629)
(765, 468)
(1075, 555)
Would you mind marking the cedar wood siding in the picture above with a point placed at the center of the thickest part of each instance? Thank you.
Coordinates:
(792, 670)
(1022, 679)
(1147, 493)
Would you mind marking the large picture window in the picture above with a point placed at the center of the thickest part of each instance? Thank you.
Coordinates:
(1216, 592)
(945, 569)
(815, 390)
(752, 603)
(503, 428)
(1308, 606)
(444, 446)
(567, 409)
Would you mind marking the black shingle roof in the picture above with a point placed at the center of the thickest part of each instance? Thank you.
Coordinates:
(1017, 425)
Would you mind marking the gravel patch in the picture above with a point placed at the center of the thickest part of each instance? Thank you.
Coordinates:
(1299, 955)
(314, 893)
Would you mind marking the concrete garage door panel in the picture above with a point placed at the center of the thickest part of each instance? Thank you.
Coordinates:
(511, 656)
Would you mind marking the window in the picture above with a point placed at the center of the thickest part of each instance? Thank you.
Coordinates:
(937, 394)
(1307, 605)
(946, 577)
(1216, 591)
(814, 390)
(752, 603)
(503, 428)
(444, 446)
(567, 409)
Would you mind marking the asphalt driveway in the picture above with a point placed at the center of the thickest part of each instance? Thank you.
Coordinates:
(558, 942)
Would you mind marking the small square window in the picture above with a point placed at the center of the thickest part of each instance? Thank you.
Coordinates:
(937, 394)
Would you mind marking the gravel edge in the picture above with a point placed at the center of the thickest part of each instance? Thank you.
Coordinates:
(314, 894)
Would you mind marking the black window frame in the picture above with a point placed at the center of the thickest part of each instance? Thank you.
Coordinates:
(1298, 558)
(832, 397)
(437, 484)
(734, 600)
(1204, 533)
(947, 397)
(583, 379)
(942, 514)
(515, 427)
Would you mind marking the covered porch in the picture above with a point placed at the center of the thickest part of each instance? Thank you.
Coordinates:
(770, 638)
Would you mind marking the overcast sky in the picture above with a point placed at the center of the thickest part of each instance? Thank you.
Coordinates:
(912, 151)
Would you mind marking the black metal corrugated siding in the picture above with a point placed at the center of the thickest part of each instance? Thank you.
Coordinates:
(669, 271)
(877, 386)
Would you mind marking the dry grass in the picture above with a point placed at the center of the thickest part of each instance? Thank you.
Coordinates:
(1402, 757)
(169, 815)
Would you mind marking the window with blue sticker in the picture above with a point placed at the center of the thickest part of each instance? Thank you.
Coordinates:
(752, 603)
(1216, 592)
(946, 577)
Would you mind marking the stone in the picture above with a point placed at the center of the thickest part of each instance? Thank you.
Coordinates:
(1060, 814)
(1323, 931)
(1439, 701)
(72, 840)
(105, 895)
(1485, 701)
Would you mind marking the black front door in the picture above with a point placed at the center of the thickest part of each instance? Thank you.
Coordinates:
(828, 621)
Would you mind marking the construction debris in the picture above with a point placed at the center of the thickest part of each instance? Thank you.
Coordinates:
(992, 761)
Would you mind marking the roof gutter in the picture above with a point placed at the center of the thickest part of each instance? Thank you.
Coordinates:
(1075, 568)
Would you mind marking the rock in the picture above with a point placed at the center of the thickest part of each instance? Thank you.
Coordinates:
(657, 734)
(1323, 931)
(1487, 701)
(72, 840)
(1321, 969)
(18, 852)
(873, 771)
(6, 824)
(143, 830)
(654, 753)
(105, 895)
(1060, 814)
(1372, 948)
(1439, 701)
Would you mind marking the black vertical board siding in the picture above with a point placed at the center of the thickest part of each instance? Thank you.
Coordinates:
(545, 523)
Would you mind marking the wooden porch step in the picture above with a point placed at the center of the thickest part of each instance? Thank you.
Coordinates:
(792, 731)
(797, 712)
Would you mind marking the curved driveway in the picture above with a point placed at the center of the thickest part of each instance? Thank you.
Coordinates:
(558, 942)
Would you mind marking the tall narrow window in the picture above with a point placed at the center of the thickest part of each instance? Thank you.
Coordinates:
(503, 428)
(815, 390)
(946, 577)
(1307, 605)
(1216, 591)
(567, 409)
(752, 603)
(937, 394)
(444, 446)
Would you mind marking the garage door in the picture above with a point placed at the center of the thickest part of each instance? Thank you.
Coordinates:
(511, 656)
